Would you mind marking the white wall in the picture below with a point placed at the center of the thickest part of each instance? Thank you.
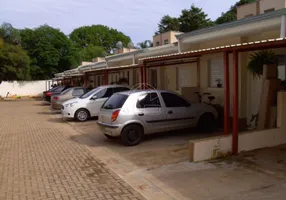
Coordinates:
(24, 88)
(209, 148)
(204, 149)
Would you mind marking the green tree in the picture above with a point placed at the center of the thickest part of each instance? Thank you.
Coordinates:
(98, 35)
(90, 52)
(50, 49)
(168, 23)
(9, 34)
(230, 15)
(14, 63)
(145, 44)
(194, 19)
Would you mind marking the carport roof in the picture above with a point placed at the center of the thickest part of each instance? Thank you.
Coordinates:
(248, 46)
(236, 23)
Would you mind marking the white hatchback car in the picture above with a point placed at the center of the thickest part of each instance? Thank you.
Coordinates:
(89, 104)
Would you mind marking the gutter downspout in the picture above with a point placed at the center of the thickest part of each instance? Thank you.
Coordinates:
(179, 46)
(283, 26)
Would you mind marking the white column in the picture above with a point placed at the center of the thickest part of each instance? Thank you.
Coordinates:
(283, 26)
(133, 59)
(179, 46)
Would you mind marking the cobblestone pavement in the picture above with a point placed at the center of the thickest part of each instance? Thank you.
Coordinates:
(40, 160)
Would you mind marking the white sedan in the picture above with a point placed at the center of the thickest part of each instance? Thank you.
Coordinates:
(89, 104)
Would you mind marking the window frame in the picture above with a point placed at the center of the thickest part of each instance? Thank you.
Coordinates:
(166, 41)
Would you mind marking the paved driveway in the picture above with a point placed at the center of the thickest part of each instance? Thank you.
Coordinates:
(39, 160)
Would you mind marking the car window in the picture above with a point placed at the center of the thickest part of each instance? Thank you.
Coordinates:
(108, 93)
(100, 93)
(78, 92)
(84, 96)
(115, 101)
(120, 89)
(66, 91)
(149, 100)
(59, 89)
(173, 100)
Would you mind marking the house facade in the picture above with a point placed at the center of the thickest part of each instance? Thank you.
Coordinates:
(257, 21)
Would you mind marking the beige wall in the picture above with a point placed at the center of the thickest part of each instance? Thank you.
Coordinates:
(123, 50)
(269, 4)
(259, 7)
(98, 59)
(246, 9)
(170, 36)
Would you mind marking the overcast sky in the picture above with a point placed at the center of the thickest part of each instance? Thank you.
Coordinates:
(136, 18)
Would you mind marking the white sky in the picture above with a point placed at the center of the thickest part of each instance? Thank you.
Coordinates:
(136, 18)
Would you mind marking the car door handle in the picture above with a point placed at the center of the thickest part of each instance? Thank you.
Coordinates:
(170, 112)
(141, 114)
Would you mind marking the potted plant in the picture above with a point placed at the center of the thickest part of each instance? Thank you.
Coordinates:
(262, 59)
(219, 84)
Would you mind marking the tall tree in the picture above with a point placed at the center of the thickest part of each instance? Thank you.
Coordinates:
(90, 52)
(193, 19)
(230, 15)
(168, 23)
(189, 20)
(50, 49)
(14, 61)
(145, 44)
(9, 34)
(98, 35)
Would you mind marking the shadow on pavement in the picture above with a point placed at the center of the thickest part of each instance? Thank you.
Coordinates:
(48, 113)
(57, 120)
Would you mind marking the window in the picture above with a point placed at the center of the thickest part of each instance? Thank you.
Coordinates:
(66, 91)
(173, 100)
(108, 93)
(148, 100)
(157, 43)
(115, 101)
(183, 77)
(77, 92)
(269, 10)
(100, 94)
(166, 41)
(92, 92)
(216, 76)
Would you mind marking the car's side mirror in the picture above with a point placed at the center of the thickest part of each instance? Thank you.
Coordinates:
(93, 98)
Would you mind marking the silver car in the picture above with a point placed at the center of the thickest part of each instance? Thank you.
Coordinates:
(130, 115)
(58, 99)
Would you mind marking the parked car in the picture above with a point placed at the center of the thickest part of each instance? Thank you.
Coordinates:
(89, 104)
(70, 93)
(54, 91)
(131, 115)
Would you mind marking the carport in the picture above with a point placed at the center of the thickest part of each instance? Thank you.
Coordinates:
(193, 56)
(106, 71)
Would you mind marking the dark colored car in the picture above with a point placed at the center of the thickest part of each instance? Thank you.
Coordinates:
(54, 91)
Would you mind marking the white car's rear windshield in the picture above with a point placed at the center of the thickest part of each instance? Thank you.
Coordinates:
(115, 101)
